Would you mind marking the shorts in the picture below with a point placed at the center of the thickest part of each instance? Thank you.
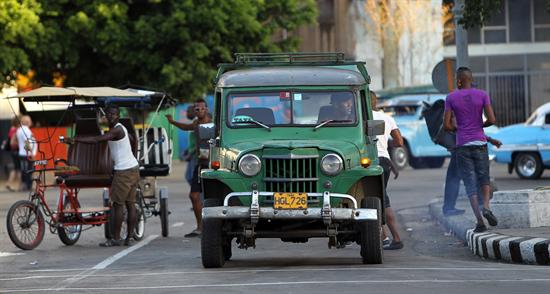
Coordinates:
(386, 165)
(473, 166)
(123, 188)
(196, 185)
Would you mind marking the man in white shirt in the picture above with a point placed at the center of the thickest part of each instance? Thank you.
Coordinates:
(385, 161)
(125, 176)
(27, 150)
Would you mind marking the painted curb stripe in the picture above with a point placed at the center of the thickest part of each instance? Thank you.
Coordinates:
(483, 245)
(492, 249)
(504, 247)
(527, 249)
(476, 243)
(542, 254)
(515, 249)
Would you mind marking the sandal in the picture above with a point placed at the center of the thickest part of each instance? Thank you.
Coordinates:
(194, 233)
(394, 245)
(490, 217)
(111, 243)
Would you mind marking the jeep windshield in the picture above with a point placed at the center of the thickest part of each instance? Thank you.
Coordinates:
(292, 108)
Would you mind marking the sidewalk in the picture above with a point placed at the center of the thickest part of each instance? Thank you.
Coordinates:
(529, 246)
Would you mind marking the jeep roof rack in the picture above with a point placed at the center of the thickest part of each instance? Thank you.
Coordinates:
(244, 60)
(256, 58)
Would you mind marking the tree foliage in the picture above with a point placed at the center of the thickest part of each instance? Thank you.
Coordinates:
(173, 45)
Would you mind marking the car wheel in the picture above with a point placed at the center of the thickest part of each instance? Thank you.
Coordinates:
(528, 165)
(400, 157)
(370, 232)
(214, 243)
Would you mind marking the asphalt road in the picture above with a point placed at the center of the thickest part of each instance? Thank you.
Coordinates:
(431, 262)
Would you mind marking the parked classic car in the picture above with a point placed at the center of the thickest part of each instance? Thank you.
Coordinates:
(526, 147)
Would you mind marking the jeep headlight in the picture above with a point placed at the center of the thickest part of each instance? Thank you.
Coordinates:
(250, 165)
(331, 164)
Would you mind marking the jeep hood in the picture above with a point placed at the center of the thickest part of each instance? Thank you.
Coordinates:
(341, 147)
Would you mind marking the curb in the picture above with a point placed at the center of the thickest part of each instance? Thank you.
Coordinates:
(491, 245)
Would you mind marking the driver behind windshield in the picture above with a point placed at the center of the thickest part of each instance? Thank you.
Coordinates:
(341, 108)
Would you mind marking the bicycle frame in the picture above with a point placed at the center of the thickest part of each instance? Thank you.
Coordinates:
(61, 216)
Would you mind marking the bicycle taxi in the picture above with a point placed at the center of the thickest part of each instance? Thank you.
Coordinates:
(89, 166)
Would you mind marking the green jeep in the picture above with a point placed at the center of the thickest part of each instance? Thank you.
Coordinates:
(292, 156)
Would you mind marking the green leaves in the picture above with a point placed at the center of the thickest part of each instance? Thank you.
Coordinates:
(172, 45)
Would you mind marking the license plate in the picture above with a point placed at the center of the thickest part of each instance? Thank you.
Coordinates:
(290, 201)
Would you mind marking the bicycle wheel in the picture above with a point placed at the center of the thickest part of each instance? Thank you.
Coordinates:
(164, 216)
(25, 225)
(139, 230)
(69, 235)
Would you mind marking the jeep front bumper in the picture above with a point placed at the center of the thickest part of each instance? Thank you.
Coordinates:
(254, 212)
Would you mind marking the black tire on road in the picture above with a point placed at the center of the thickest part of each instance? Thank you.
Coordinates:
(164, 216)
(108, 226)
(69, 235)
(212, 243)
(371, 240)
(215, 247)
(528, 165)
(22, 217)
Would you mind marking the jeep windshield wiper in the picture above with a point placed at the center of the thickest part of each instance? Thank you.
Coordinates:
(257, 123)
(323, 123)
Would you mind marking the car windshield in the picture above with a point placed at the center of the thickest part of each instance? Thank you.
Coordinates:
(287, 108)
(400, 110)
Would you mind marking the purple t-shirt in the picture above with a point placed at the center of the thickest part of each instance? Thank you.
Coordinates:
(467, 106)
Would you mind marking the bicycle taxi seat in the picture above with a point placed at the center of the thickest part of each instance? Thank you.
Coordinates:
(92, 161)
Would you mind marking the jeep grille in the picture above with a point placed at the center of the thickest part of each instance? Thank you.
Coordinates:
(286, 174)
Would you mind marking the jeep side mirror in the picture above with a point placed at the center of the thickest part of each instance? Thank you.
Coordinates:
(375, 127)
(207, 131)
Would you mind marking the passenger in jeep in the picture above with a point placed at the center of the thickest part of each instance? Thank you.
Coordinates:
(201, 153)
(340, 108)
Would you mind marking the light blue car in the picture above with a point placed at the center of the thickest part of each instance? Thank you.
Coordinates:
(526, 147)
(419, 150)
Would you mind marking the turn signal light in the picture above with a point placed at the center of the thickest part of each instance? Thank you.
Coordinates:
(365, 162)
(215, 165)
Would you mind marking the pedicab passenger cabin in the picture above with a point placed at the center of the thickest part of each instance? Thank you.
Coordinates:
(86, 166)
(293, 156)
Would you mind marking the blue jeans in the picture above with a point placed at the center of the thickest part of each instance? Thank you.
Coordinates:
(452, 184)
(473, 165)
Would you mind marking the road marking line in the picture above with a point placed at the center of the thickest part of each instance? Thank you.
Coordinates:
(5, 254)
(435, 281)
(59, 270)
(177, 225)
(123, 253)
(518, 268)
(102, 265)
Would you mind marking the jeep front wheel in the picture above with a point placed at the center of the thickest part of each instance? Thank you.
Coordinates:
(371, 241)
(212, 243)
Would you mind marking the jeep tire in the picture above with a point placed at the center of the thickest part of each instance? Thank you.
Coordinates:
(370, 231)
(213, 243)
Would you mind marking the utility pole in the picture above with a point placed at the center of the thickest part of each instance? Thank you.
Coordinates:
(461, 35)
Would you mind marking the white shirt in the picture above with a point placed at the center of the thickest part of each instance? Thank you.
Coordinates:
(390, 125)
(121, 152)
(23, 134)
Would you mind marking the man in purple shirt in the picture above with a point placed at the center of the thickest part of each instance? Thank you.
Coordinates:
(468, 104)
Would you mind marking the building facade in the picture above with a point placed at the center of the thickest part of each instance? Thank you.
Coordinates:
(510, 57)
